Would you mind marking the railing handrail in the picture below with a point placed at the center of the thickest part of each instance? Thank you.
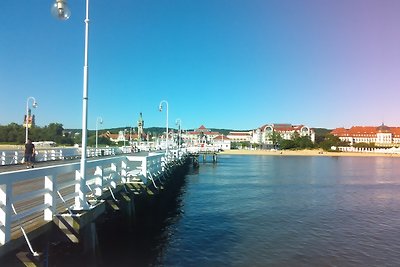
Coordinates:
(108, 172)
(12, 157)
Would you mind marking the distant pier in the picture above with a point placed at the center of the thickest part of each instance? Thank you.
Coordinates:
(206, 156)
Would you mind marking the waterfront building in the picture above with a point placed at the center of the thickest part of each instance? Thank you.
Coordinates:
(264, 135)
(222, 142)
(200, 136)
(380, 136)
(121, 136)
(246, 136)
(205, 137)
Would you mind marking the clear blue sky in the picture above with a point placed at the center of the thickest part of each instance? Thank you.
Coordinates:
(234, 64)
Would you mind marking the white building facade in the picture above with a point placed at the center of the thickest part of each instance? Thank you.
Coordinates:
(264, 135)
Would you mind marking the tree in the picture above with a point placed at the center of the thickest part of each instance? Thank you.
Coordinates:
(287, 144)
(275, 138)
(304, 142)
(330, 141)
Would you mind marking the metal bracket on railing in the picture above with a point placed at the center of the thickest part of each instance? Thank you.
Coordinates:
(151, 179)
(126, 190)
(91, 191)
(65, 203)
(159, 174)
(34, 253)
(112, 194)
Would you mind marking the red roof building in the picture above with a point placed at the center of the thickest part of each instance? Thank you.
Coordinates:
(382, 135)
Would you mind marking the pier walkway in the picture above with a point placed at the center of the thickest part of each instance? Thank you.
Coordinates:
(55, 192)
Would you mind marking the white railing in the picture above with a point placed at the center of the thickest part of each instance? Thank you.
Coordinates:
(389, 150)
(10, 157)
(197, 149)
(150, 166)
(53, 189)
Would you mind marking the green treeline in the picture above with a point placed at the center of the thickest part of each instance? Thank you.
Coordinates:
(323, 140)
(15, 134)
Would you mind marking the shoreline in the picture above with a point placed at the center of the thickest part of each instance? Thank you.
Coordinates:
(314, 152)
(11, 147)
(305, 152)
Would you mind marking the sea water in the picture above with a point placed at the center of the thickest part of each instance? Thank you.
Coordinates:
(271, 211)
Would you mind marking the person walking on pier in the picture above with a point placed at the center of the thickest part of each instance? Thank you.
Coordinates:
(29, 154)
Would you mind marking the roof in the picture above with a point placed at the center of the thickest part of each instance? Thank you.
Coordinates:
(366, 130)
(283, 127)
(221, 137)
(239, 133)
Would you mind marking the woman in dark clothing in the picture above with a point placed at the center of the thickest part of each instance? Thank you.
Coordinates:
(29, 154)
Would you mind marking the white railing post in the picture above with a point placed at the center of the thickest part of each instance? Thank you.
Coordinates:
(144, 167)
(81, 190)
(61, 154)
(50, 197)
(3, 158)
(53, 155)
(5, 213)
(124, 168)
(114, 175)
(15, 158)
(45, 156)
(160, 164)
(98, 190)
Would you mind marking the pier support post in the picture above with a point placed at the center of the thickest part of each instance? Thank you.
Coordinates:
(128, 208)
(77, 226)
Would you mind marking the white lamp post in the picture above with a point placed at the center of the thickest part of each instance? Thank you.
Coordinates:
(98, 120)
(166, 138)
(124, 138)
(61, 11)
(34, 104)
(178, 122)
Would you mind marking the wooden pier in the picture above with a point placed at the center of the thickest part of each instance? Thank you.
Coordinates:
(205, 155)
(37, 201)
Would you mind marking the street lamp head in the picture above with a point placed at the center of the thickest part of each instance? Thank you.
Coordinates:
(60, 10)
(35, 104)
(160, 108)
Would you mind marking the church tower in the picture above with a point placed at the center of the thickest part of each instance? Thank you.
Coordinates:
(140, 125)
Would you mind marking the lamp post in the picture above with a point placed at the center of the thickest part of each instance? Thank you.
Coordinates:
(61, 11)
(166, 137)
(98, 120)
(34, 104)
(178, 123)
(124, 138)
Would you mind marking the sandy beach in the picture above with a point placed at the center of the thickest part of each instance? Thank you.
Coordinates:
(314, 152)
(11, 147)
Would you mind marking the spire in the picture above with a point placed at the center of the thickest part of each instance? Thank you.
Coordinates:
(140, 125)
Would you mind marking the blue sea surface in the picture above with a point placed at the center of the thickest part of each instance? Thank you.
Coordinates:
(285, 211)
(268, 211)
